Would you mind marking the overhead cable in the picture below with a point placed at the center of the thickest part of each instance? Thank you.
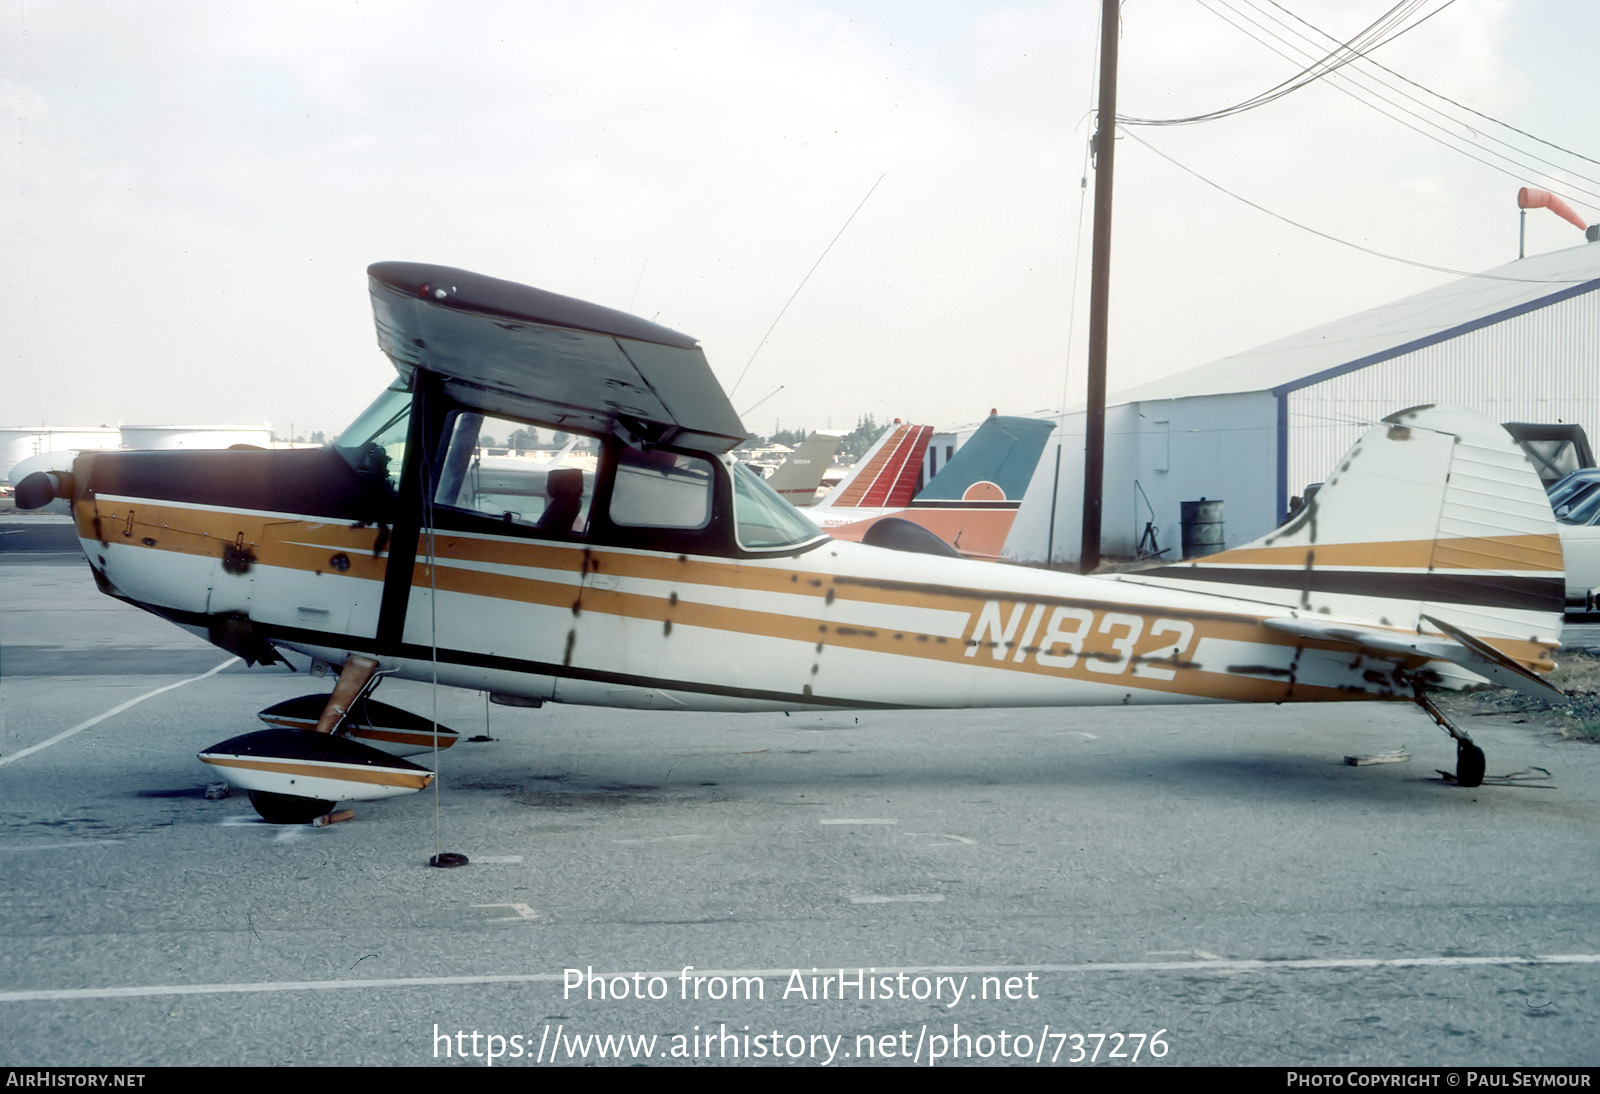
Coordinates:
(1345, 242)
(1448, 99)
(1557, 178)
(1386, 28)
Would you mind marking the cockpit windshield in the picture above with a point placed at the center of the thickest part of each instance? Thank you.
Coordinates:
(375, 443)
(763, 520)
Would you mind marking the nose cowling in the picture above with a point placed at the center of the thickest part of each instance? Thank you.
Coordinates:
(305, 481)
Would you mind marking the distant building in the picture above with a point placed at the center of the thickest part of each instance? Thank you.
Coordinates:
(195, 436)
(17, 443)
(22, 443)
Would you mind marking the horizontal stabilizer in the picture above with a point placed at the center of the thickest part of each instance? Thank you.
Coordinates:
(1454, 646)
(1491, 664)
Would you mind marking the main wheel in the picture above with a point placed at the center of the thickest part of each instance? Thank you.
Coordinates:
(289, 809)
(1470, 764)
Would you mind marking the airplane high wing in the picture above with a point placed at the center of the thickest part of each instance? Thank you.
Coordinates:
(525, 353)
(1429, 560)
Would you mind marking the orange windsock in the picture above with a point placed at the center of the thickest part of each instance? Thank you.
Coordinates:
(1529, 198)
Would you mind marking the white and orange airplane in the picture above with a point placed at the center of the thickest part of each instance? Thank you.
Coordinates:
(1429, 560)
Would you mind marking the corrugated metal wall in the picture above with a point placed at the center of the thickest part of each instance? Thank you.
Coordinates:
(1540, 366)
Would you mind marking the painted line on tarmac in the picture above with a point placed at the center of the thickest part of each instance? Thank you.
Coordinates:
(1318, 964)
(118, 709)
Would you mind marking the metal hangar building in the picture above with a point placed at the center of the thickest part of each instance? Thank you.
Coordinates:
(1519, 343)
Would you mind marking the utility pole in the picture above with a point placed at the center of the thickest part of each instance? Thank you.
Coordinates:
(1103, 152)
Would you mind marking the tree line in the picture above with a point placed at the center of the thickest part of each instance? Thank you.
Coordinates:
(854, 445)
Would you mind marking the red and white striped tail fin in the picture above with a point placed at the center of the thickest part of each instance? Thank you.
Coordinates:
(890, 473)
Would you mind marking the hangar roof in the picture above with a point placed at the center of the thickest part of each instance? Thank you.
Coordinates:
(1388, 331)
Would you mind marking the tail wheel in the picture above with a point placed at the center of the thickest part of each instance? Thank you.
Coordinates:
(1469, 757)
(1469, 764)
(289, 809)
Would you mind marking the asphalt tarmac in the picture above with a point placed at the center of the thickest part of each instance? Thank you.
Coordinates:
(1186, 885)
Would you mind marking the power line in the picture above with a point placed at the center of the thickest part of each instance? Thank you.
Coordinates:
(1446, 98)
(1386, 28)
(1345, 242)
(1523, 170)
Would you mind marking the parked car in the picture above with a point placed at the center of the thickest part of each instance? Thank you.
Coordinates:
(1576, 502)
(1574, 487)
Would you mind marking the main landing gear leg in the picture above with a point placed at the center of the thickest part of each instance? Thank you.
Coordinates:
(1470, 762)
(358, 676)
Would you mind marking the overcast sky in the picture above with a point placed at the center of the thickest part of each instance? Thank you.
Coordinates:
(192, 191)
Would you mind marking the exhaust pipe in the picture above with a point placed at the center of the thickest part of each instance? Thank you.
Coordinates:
(39, 489)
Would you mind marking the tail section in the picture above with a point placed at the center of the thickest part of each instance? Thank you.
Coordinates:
(999, 457)
(970, 504)
(799, 476)
(1433, 536)
(888, 475)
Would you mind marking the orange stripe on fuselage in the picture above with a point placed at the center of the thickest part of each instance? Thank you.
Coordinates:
(294, 543)
(1534, 552)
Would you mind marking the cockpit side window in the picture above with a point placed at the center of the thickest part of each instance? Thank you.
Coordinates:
(508, 470)
(375, 443)
(669, 500)
(661, 489)
(484, 473)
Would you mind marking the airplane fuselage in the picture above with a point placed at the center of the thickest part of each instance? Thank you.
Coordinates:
(831, 625)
